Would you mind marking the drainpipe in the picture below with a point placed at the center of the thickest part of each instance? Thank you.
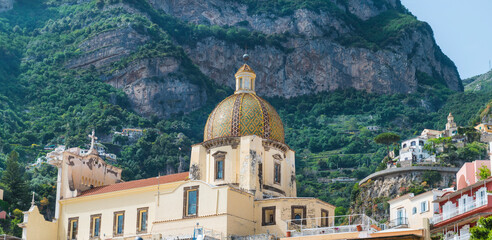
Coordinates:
(58, 190)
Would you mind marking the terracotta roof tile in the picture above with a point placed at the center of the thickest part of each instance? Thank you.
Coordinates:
(136, 184)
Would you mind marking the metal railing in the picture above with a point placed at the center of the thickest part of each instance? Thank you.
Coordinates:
(465, 236)
(328, 225)
(455, 211)
(401, 222)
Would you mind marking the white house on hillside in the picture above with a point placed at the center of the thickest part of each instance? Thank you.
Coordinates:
(413, 150)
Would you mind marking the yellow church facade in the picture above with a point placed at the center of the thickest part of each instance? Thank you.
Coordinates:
(241, 182)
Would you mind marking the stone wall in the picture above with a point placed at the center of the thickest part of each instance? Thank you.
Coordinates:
(376, 189)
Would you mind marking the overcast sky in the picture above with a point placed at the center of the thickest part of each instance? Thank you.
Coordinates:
(462, 28)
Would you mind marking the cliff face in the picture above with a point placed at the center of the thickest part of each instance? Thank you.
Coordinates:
(315, 61)
(313, 66)
(6, 5)
(311, 57)
(154, 86)
(374, 194)
(108, 47)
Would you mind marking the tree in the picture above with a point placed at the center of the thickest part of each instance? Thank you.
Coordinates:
(15, 186)
(484, 172)
(431, 177)
(483, 229)
(387, 139)
(430, 146)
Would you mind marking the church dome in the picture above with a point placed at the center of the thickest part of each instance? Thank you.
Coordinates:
(244, 113)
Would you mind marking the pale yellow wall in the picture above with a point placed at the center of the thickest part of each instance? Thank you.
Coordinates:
(211, 200)
(212, 209)
(415, 221)
(183, 228)
(198, 153)
(36, 228)
(106, 204)
(287, 170)
(230, 165)
(223, 209)
(241, 214)
(283, 213)
(242, 171)
(484, 127)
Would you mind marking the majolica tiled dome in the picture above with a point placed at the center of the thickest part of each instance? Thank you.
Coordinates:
(244, 113)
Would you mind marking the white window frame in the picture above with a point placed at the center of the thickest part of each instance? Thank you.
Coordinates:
(400, 216)
(424, 206)
(481, 198)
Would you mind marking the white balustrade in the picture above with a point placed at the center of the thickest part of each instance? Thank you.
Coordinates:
(455, 211)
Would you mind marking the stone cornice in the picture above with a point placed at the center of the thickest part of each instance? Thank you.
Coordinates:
(274, 144)
(223, 141)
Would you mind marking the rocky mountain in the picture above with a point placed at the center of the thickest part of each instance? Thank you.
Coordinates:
(315, 60)
(482, 82)
(296, 49)
(70, 66)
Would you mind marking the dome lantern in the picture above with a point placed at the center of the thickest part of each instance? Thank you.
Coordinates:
(245, 78)
(244, 113)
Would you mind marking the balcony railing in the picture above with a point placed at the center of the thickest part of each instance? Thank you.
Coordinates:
(465, 236)
(401, 222)
(329, 225)
(455, 211)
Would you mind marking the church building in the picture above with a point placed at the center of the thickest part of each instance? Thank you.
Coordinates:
(241, 182)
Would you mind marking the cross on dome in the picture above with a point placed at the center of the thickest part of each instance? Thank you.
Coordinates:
(33, 202)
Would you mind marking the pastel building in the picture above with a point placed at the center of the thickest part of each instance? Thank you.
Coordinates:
(467, 175)
(484, 128)
(413, 150)
(460, 210)
(414, 211)
(450, 130)
(242, 181)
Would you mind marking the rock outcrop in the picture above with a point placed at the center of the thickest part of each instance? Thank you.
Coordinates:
(108, 47)
(6, 5)
(315, 61)
(313, 66)
(374, 193)
(311, 59)
(156, 87)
